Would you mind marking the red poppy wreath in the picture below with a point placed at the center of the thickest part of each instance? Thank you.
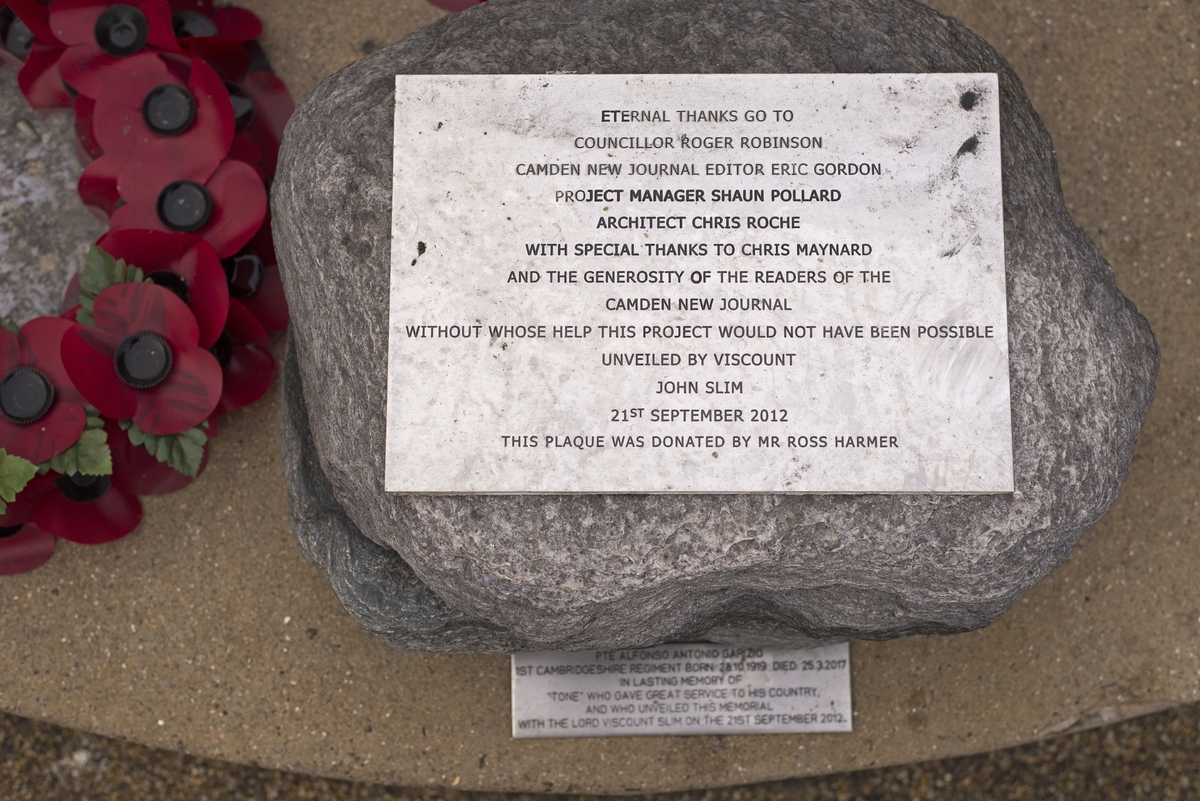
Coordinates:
(178, 120)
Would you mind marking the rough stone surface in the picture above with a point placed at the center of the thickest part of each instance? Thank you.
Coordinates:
(581, 572)
(44, 229)
(374, 584)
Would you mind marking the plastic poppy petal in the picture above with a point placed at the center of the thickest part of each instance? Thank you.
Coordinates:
(40, 79)
(137, 216)
(247, 378)
(226, 57)
(98, 187)
(212, 133)
(41, 346)
(21, 510)
(136, 471)
(74, 21)
(244, 328)
(162, 28)
(130, 308)
(207, 289)
(92, 373)
(87, 148)
(236, 24)
(244, 149)
(36, 16)
(251, 368)
(239, 206)
(149, 250)
(45, 438)
(185, 398)
(85, 68)
(273, 107)
(269, 304)
(28, 549)
(110, 517)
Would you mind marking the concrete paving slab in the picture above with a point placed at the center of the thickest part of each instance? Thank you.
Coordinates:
(207, 632)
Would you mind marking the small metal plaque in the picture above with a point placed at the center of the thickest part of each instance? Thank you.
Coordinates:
(698, 283)
(688, 688)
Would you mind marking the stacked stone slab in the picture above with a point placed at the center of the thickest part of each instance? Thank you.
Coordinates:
(496, 573)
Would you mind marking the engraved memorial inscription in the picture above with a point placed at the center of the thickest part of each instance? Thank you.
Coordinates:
(698, 283)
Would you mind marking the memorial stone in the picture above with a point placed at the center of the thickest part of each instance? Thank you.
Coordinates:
(970, 447)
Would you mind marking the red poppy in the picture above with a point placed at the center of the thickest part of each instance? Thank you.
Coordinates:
(24, 547)
(255, 282)
(99, 34)
(142, 360)
(225, 211)
(88, 510)
(244, 353)
(137, 472)
(163, 115)
(41, 412)
(182, 263)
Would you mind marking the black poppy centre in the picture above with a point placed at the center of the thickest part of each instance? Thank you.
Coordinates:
(143, 360)
(122, 30)
(25, 395)
(243, 273)
(184, 206)
(82, 489)
(169, 109)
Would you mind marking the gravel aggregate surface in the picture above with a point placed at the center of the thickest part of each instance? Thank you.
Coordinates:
(1157, 756)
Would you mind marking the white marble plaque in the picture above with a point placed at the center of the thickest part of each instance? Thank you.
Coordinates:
(698, 283)
(682, 688)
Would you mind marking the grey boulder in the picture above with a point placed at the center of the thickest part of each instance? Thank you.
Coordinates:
(609, 571)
